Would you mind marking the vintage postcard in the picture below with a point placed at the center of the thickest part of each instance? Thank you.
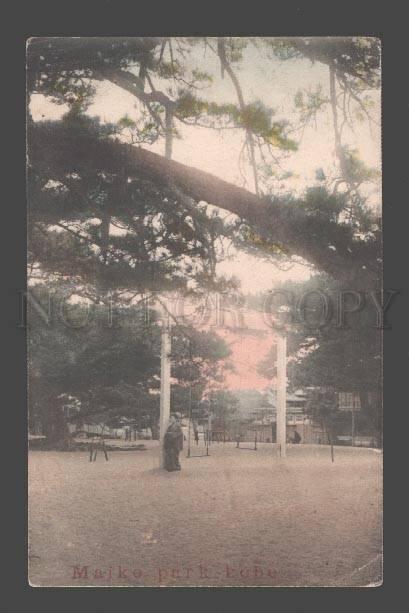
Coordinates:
(204, 311)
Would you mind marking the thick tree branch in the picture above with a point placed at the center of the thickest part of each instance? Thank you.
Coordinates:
(326, 244)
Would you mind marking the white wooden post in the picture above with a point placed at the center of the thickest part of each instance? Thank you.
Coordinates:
(166, 339)
(164, 386)
(282, 394)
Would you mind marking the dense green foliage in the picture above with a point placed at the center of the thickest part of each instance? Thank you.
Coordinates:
(109, 361)
(106, 224)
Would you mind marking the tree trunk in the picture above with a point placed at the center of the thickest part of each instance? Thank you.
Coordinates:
(56, 429)
(374, 412)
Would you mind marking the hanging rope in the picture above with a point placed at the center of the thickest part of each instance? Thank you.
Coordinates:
(190, 401)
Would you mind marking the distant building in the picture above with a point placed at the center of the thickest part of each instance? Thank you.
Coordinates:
(267, 413)
(349, 401)
(350, 427)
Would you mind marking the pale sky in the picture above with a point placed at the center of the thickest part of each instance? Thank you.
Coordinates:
(275, 83)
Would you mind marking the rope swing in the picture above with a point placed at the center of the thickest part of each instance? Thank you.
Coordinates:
(207, 438)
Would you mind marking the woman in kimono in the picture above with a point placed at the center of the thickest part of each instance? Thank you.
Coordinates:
(173, 443)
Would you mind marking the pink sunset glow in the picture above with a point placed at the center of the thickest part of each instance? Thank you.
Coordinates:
(247, 352)
(249, 345)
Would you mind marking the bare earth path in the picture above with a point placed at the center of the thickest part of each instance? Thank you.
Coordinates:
(238, 517)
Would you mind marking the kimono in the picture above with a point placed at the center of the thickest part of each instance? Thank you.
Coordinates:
(173, 444)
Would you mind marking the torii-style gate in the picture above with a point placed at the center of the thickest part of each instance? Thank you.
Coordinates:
(281, 343)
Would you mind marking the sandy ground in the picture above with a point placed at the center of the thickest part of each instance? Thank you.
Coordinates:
(236, 518)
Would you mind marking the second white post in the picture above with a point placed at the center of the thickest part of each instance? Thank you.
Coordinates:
(282, 394)
(164, 386)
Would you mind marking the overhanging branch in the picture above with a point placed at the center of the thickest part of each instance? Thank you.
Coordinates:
(328, 245)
